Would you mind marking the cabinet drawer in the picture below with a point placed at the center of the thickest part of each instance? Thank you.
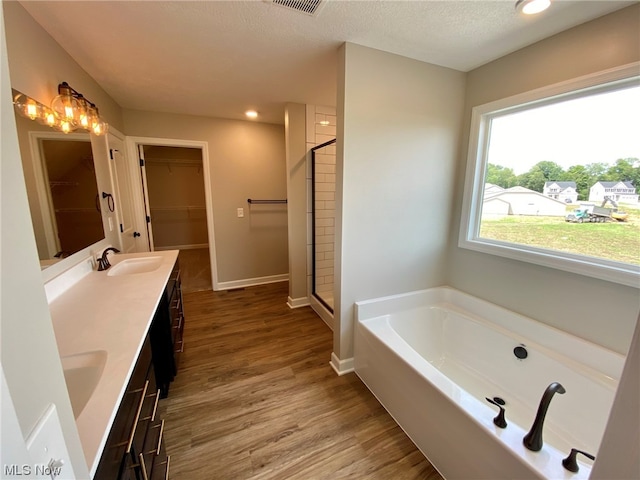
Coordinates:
(113, 456)
(153, 447)
(147, 416)
(161, 468)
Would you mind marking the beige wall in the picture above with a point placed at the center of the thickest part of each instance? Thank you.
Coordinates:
(247, 160)
(28, 347)
(597, 310)
(398, 138)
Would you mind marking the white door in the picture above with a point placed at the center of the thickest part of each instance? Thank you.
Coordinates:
(145, 190)
(121, 173)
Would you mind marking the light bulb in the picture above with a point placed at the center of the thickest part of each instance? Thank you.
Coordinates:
(100, 127)
(84, 121)
(65, 105)
(27, 106)
(47, 117)
(50, 118)
(66, 127)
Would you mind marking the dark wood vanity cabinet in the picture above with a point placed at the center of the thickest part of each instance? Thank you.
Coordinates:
(134, 447)
(166, 333)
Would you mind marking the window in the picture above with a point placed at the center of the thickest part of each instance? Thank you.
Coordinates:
(553, 175)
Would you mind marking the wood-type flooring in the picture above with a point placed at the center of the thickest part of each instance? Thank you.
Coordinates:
(255, 398)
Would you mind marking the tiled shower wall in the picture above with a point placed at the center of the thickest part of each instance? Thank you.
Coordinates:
(318, 134)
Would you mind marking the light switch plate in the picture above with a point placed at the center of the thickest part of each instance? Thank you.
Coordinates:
(48, 450)
(240, 212)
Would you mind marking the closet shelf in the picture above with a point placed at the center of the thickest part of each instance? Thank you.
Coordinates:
(178, 208)
(174, 163)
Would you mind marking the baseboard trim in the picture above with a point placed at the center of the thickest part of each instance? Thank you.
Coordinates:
(250, 282)
(341, 367)
(297, 302)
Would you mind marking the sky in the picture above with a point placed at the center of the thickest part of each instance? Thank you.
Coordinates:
(598, 128)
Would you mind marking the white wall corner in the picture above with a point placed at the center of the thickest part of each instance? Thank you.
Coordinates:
(341, 367)
(298, 302)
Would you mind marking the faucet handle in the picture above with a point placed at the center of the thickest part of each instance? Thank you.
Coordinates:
(570, 462)
(101, 264)
(499, 420)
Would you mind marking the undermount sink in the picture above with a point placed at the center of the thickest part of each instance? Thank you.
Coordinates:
(132, 266)
(82, 373)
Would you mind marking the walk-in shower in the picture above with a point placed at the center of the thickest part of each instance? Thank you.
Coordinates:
(323, 200)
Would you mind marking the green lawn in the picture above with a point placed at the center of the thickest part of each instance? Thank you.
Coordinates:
(618, 241)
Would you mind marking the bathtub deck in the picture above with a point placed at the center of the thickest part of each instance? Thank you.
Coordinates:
(255, 397)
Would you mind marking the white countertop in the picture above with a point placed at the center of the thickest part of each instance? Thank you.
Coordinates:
(111, 313)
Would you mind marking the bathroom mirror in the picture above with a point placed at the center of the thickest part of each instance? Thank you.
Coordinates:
(62, 190)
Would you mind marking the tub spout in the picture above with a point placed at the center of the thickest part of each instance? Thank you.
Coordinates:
(533, 439)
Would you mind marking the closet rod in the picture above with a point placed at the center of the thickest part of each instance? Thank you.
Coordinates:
(264, 202)
(173, 163)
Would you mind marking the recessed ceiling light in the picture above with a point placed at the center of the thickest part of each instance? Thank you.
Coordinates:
(531, 7)
(251, 114)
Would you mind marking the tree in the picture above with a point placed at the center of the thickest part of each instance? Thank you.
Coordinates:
(625, 169)
(580, 175)
(539, 174)
(597, 171)
(501, 176)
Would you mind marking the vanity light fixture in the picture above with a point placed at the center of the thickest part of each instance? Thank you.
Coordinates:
(251, 114)
(531, 7)
(69, 111)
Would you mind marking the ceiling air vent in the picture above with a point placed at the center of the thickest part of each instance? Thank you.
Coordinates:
(310, 7)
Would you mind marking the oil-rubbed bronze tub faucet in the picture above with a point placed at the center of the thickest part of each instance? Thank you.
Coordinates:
(533, 439)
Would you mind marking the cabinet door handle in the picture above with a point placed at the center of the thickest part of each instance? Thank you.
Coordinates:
(177, 327)
(166, 476)
(160, 438)
(177, 277)
(143, 468)
(176, 305)
(155, 407)
(135, 422)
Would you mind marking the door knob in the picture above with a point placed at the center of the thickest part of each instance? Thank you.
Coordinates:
(136, 234)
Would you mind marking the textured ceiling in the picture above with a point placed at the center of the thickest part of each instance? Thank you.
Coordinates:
(220, 58)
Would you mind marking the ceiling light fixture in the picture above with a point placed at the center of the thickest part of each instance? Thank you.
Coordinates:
(69, 111)
(251, 114)
(531, 7)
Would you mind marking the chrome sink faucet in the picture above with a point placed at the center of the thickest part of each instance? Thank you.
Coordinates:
(103, 260)
(533, 439)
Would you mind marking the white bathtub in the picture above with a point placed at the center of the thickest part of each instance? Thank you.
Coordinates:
(432, 356)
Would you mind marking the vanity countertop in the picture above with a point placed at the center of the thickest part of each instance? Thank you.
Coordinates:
(112, 313)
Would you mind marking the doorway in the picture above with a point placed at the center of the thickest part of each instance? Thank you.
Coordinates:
(176, 192)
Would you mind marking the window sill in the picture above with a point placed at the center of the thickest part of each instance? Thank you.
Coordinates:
(616, 272)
